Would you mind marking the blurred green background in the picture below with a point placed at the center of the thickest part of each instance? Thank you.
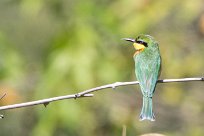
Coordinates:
(56, 47)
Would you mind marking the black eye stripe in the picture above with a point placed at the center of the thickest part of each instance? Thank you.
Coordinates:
(142, 42)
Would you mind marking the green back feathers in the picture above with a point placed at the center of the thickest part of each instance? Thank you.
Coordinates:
(147, 65)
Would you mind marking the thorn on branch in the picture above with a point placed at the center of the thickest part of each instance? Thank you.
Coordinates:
(45, 104)
(77, 96)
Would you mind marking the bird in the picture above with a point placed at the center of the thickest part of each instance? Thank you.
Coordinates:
(147, 60)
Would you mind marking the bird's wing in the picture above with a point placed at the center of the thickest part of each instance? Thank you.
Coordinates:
(147, 75)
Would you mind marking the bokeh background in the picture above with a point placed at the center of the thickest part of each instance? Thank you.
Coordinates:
(55, 47)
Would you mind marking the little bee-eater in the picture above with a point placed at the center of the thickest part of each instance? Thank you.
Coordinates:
(147, 70)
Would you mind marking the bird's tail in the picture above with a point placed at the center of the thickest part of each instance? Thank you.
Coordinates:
(147, 112)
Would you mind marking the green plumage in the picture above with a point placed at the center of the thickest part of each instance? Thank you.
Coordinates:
(147, 70)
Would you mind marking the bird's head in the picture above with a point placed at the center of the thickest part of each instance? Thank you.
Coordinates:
(142, 42)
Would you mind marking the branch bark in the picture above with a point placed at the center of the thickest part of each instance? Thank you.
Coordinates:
(86, 93)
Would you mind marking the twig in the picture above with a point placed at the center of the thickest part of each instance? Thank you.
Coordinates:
(3, 96)
(2, 116)
(124, 130)
(86, 93)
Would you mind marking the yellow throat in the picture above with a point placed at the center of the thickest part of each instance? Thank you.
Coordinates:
(138, 46)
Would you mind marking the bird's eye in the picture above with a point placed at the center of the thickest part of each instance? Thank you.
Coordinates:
(143, 43)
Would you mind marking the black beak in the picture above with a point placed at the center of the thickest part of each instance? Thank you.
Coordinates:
(128, 39)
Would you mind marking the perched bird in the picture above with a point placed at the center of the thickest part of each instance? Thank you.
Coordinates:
(147, 70)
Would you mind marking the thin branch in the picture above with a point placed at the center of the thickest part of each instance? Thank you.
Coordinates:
(3, 96)
(114, 85)
(86, 93)
(2, 116)
(45, 102)
(124, 130)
